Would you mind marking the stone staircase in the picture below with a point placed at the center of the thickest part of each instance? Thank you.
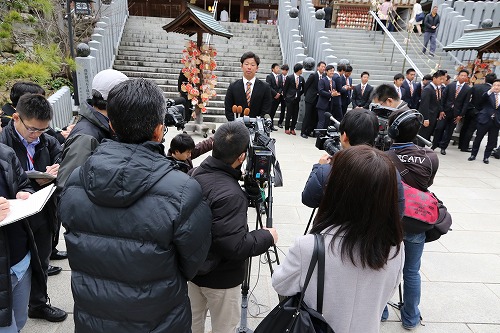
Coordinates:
(147, 51)
(364, 51)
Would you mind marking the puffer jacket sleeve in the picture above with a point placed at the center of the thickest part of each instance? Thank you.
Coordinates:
(313, 191)
(202, 147)
(55, 149)
(192, 237)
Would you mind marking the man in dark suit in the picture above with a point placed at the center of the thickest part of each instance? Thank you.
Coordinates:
(328, 15)
(456, 98)
(488, 121)
(293, 90)
(398, 85)
(284, 74)
(311, 98)
(248, 92)
(337, 100)
(362, 92)
(410, 96)
(475, 106)
(430, 105)
(275, 81)
(346, 90)
(326, 92)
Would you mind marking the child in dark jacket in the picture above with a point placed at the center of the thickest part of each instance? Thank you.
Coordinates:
(183, 150)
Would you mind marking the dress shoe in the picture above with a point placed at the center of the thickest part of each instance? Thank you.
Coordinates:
(59, 255)
(287, 132)
(280, 125)
(486, 161)
(472, 158)
(304, 136)
(292, 132)
(443, 152)
(53, 270)
(466, 150)
(47, 312)
(274, 128)
(433, 147)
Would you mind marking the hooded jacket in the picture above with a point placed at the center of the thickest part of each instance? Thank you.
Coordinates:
(137, 230)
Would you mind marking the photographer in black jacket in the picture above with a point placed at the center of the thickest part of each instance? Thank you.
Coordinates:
(217, 285)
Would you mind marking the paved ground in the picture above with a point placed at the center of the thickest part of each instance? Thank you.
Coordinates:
(460, 272)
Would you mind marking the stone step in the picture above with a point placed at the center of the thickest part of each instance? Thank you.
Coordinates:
(220, 48)
(161, 51)
(219, 44)
(222, 80)
(220, 61)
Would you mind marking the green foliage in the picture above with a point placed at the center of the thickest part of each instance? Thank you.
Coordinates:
(24, 70)
(59, 82)
(45, 6)
(49, 56)
(20, 56)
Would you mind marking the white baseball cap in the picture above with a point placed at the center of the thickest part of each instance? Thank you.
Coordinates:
(105, 80)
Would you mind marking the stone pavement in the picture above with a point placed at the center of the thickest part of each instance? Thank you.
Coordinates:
(460, 272)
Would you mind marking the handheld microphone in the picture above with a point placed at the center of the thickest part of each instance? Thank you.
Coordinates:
(336, 123)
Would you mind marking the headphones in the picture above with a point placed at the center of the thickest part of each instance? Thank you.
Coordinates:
(393, 130)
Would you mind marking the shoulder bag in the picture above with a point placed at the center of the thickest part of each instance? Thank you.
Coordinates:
(292, 315)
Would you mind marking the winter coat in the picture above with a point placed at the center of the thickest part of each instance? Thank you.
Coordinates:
(137, 230)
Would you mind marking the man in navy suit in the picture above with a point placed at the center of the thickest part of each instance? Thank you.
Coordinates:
(248, 92)
(284, 74)
(411, 96)
(430, 105)
(346, 90)
(326, 93)
(311, 98)
(456, 98)
(488, 121)
(293, 90)
(398, 85)
(337, 100)
(362, 92)
(475, 106)
(275, 81)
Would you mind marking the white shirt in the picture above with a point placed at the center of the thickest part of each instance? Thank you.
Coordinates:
(224, 16)
(398, 89)
(251, 87)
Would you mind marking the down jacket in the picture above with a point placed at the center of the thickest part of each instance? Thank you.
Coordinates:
(137, 230)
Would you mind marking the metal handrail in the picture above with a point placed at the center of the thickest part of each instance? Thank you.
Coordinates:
(214, 13)
(396, 44)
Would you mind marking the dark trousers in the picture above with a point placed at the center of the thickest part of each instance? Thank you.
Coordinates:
(274, 107)
(337, 112)
(443, 132)
(426, 132)
(43, 240)
(282, 114)
(467, 131)
(310, 118)
(492, 130)
(322, 122)
(292, 111)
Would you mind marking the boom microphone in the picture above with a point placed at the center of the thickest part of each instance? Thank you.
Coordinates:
(336, 123)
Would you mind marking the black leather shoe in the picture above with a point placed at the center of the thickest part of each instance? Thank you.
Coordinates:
(274, 128)
(467, 150)
(472, 158)
(53, 270)
(280, 125)
(59, 255)
(47, 312)
(304, 136)
(433, 147)
(443, 152)
(486, 161)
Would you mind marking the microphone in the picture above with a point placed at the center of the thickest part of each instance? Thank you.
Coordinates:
(336, 123)
(424, 141)
(268, 121)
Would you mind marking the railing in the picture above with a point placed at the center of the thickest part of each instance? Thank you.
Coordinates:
(62, 105)
(103, 46)
(396, 44)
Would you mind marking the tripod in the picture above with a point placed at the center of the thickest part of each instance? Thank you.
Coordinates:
(259, 203)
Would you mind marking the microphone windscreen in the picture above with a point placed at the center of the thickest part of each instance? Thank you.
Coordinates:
(246, 112)
(240, 109)
(328, 115)
(234, 109)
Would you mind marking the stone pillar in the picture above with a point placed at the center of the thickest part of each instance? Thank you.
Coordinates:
(85, 72)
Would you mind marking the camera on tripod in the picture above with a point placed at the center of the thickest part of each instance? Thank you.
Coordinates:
(174, 114)
(329, 138)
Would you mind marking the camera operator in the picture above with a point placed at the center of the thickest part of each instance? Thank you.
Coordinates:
(217, 285)
(386, 95)
(183, 150)
(421, 165)
(359, 126)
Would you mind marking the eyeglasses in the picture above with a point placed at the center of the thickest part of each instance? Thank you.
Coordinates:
(34, 129)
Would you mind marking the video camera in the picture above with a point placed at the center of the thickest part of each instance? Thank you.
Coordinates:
(175, 113)
(383, 141)
(329, 139)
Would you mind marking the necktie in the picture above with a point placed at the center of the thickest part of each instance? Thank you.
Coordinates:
(248, 92)
(284, 79)
(331, 85)
(276, 80)
(411, 88)
(497, 100)
(297, 83)
(362, 90)
(438, 93)
(459, 86)
(399, 92)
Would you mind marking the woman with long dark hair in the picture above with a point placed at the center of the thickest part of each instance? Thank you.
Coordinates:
(360, 222)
